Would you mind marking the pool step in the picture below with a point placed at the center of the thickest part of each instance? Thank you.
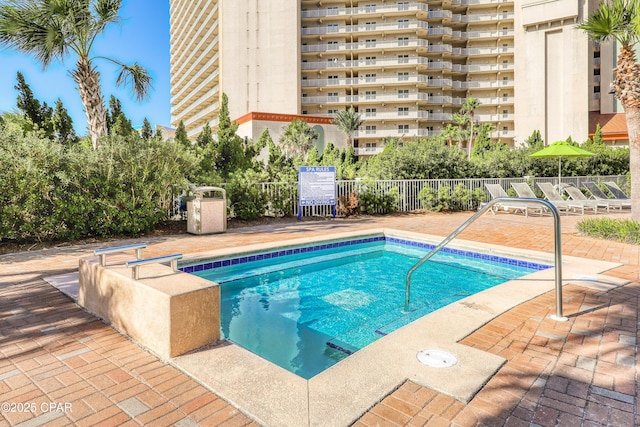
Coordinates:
(236, 273)
(374, 329)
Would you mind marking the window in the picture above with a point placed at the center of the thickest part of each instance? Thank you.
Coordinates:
(403, 93)
(332, 45)
(370, 25)
(332, 28)
(505, 64)
(370, 43)
(370, 112)
(505, 130)
(370, 94)
(370, 146)
(403, 5)
(333, 80)
(403, 76)
(370, 129)
(332, 111)
(370, 60)
(332, 97)
(370, 8)
(403, 41)
(403, 128)
(403, 23)
(505, 114)
(332, 10)
(403, 111)
(505, 47)
(505, 81)
(370, 78)
(403, 59)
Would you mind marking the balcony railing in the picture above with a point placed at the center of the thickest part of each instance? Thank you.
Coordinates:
(363, 10)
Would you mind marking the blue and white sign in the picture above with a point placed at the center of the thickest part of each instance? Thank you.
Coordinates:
(317, 185)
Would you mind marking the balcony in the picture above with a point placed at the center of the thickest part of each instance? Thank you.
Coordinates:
(364, 28)
(368, 151)
(487, 17)
(364, 10)
(376, 63)
(375, 98)
(396, 115)
(392, 133)
(509, 134)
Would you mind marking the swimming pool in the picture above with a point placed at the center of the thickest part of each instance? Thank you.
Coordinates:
(305, 308)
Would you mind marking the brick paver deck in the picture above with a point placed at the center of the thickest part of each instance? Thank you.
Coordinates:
(61, 366)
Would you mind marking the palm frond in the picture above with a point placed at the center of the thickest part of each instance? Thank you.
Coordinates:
(105, 13)
(614, 19)
(137, 78)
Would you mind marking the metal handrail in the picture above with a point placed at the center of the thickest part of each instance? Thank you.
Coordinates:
(557, 247)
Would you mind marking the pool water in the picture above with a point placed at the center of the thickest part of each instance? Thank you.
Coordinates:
(308, 309)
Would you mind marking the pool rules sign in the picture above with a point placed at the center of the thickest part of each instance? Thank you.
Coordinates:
(316, 187)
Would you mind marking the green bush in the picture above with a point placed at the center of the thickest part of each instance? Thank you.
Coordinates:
(49, 191)
(373, 201)
(624, 230)
(246, 199)
(446, 199)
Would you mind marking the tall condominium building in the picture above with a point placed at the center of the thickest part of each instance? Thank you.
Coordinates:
(406, 66)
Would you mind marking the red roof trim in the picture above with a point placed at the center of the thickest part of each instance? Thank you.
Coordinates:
(285, 118)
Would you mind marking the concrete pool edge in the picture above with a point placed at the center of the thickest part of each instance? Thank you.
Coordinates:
(341, 394)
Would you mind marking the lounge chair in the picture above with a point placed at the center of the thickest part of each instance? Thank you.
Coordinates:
(577, 195)
(523, 190)
(598, 194)
(496, 190)
(554, 197)
(616, 191)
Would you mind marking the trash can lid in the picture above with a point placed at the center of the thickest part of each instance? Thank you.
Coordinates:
(209, 189)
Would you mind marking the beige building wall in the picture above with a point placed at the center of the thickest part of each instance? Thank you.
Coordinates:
(246, 49)
(259, 55)
(553, 69)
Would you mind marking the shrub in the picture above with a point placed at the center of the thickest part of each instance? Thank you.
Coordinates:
(373, 201)
(50, 192)
(624, 230)
(246, 199)
(445, 199)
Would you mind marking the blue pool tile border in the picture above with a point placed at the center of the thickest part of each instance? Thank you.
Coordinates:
(208, 265)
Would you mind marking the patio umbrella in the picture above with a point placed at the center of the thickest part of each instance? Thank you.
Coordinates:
(561, 149)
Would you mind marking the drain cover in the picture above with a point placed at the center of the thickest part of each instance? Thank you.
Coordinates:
(437, 358)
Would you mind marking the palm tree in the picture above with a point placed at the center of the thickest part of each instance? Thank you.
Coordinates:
(619, 20)
(348, 121)
(469, 109)
(53, 29)
(298, 138)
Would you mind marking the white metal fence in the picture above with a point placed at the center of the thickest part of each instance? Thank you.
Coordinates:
(407, 191)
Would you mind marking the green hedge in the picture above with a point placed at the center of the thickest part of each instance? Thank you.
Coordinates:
(50, 192)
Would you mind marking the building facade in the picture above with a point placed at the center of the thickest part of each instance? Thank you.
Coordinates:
(406, 66)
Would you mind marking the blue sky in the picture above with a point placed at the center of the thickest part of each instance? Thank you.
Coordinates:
(142, 36)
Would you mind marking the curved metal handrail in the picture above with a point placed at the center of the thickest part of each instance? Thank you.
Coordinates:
(557, 246)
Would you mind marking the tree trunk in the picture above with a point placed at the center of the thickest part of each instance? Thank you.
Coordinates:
(633, 125)
(88, 80)
(627, 75)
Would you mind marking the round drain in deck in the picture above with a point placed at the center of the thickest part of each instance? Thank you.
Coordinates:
(437, 358)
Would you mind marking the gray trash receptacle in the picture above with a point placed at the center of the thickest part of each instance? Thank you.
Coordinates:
(207, 214)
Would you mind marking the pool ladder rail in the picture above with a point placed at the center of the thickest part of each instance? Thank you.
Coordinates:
(139, 261)
(557, 244)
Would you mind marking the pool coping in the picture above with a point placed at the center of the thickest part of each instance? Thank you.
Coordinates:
(274, 396)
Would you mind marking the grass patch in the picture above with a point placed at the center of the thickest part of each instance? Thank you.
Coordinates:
(623, 230)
